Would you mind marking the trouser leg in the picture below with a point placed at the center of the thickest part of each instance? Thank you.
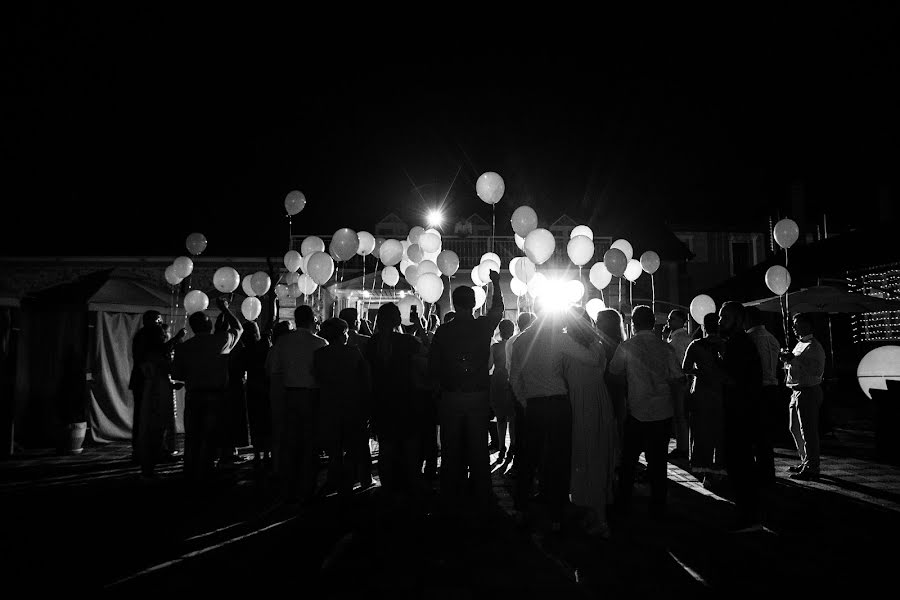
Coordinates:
(796, 430)
(656, 452)
(632, 446)
(809, 403)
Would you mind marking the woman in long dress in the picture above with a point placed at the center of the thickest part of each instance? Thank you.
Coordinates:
(593, 422)
(705, 408)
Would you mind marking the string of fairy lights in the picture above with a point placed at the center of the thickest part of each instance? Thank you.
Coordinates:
(882, 281)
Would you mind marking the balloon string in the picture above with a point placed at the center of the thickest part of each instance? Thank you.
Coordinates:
(290, 232)
(602, 299)
(630, 297)
(581, 301)
(493, 224)
(375, 276)
(620, 294)
(449, 294)
(653, 293)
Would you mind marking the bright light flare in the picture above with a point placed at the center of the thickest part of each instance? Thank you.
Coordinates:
(435, 218)
(556, 295)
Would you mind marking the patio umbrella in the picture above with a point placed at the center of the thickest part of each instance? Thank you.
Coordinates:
(827, 299)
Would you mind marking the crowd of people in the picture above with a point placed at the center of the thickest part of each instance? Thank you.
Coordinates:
(570, 403)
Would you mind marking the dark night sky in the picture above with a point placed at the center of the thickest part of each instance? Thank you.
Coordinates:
(126, 129)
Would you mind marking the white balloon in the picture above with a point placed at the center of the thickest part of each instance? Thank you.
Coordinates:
(260, 282)
(520, 242)
(312, 244)
(321, 267)
(391, 252)
(390, 276)
(518, 287)
(524, 220)
(650, 261)
(448, 263)
(414, 233)
(427, 266)
(195, 301)
(184, 266)
(512, 265)
(366, 243)
(430, 287)
(226, 279)
(786, 233)
(414, 253)
(485, 268)
(306, 285)
(294, 290)
(600, 275)
(430, 242)
(172, 277)
(480, 296)
(412, 275)
(633, 270)
(476, 279)
(580, 249)
(490, 187)
(405, 303)
(434, 231)
(625, 247)
(247, 285)
(593, 307)
(251, 308)
(404, 265)
(291, 278)
(539, 246)
(582, 230)
(282, 292)
(491, 255)
(574, 291)
(525, 269)
(304, 263)
(292, 260)
(701, 306)
(778, 279)
(432, 256)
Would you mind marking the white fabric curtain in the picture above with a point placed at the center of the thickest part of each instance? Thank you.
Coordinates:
(110, 414)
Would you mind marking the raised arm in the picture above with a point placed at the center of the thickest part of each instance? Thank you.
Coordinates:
(231, 322)
(495, 314)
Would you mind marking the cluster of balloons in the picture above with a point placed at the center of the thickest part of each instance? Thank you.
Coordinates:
(421, 260)
(183, 266)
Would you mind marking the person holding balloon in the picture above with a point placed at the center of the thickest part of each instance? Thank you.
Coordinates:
(202, 364)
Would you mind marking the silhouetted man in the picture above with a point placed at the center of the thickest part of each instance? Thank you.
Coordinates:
(650, 368)
(740, 400)
(767, 348)
(458, 360)
(291, 361)
(202, 364)
(805, 367)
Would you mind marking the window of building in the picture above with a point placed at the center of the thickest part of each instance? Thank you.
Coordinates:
(741, 257)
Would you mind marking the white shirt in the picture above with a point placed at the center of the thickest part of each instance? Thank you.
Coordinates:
(536, 367)
(808, 365)
(680, 340)
(650, 365)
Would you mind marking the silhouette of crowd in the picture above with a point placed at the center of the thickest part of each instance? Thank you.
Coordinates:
(568, 403)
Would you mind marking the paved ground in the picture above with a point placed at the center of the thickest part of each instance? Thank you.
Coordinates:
(90, 522)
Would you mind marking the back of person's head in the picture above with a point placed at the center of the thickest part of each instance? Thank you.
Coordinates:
(753, 316)
(711, 323)
(281, 328)
(507, 328)
(199, 322)
(334, 331)
(464, 298)
(304, 317)
(609, 323)
(677, 318)
(449, 317)
(151, 317)
(388, 318)
(350, 316)
(803, 319)
(642, 318)
(731, 318)
(524, 320)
